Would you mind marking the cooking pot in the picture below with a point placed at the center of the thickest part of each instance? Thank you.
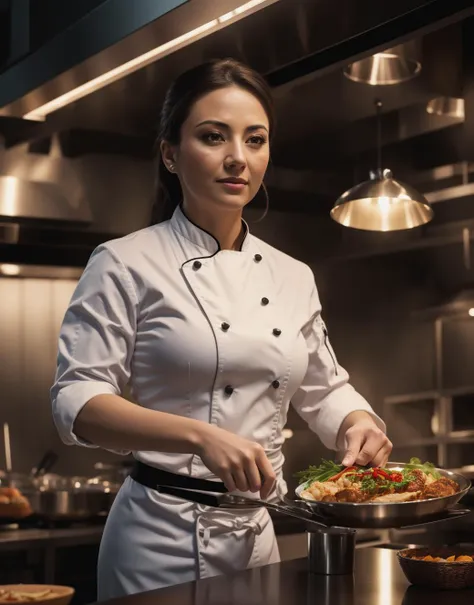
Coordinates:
(58, 497)
(53, 496)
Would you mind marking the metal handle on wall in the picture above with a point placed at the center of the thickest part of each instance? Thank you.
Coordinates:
(466, 241)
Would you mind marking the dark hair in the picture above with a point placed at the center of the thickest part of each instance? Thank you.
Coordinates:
(188, 88)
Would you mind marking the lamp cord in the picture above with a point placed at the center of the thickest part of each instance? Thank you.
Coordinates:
(378, 108)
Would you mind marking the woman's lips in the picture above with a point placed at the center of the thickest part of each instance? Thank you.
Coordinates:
(231, 186)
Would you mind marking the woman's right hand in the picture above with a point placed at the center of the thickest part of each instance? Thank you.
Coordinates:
(241, 464)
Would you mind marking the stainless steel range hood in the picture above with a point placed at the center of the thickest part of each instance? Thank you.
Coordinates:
(41, 233)
(32, 201)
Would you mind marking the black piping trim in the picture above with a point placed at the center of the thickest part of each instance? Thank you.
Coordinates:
(190, 260)
(331, 354)
(246, 227)
(201, 229)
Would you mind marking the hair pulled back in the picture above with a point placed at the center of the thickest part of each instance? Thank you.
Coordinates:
(183, 93)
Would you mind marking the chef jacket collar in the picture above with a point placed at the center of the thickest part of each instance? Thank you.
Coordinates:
(200, 237)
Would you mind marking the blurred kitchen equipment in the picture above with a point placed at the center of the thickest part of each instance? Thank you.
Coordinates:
(57, 497)
(73, 503)
(8, 451)
(115, 471)
(46, 463)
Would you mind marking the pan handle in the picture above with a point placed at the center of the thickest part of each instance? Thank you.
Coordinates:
(236, 502)
(284, 509)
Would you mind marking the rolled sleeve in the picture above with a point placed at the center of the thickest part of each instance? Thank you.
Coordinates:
(96, 341)
(325, 397)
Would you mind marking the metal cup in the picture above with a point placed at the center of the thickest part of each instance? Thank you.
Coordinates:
(331, 552)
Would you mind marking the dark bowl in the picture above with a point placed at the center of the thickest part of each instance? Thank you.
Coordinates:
(438, 575)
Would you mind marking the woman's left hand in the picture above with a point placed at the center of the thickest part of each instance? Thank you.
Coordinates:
(365, 443)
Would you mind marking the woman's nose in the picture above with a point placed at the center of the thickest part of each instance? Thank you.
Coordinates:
(236, 157)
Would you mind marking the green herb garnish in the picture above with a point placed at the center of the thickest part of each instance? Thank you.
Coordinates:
(400, 484)
(328, 469)
(427, 467)
(369, 485)
(323, 472)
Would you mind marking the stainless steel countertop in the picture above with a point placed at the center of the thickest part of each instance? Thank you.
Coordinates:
(378, 580)
(18, 539)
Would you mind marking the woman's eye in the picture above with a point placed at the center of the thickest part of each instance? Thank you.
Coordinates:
(257, 140)
(213, 137)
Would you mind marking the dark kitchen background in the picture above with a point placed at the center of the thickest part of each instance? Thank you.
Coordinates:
(397, 305)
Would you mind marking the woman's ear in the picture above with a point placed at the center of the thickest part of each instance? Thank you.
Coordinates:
(168, 154)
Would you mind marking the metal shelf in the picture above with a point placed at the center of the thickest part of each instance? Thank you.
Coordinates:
(411, 397)
(440, 399)
(428, 395)
(418, 442)
(460, 437)
(452, 439)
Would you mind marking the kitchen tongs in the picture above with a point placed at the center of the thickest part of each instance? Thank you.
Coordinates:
(214, 493)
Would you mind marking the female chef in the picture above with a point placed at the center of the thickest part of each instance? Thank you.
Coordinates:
(216, 332)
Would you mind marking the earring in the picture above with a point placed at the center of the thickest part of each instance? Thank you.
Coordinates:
(267, 203)
(171, 167)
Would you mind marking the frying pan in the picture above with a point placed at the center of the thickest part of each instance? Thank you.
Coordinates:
(378, 515)
(291, 508)
(322, 514)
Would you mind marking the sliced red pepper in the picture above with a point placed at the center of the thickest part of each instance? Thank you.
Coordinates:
(343, 472)
(396, 477)
(372, 472)
(381, 473)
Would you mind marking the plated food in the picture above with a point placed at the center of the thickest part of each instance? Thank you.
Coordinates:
(414, 481)
(36, 593)
(17, 596)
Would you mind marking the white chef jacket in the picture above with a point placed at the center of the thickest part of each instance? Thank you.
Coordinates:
(225, 337)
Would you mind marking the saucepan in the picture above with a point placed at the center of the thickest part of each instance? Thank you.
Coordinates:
(50, 496)
(377, 515)
(54, 497)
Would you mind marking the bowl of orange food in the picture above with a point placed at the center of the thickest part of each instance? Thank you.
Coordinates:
(36, 593)
(439, 567)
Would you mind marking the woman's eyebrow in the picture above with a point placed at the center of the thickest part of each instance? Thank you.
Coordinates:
(225, 126)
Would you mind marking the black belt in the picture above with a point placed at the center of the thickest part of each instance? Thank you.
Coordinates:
(175, 484)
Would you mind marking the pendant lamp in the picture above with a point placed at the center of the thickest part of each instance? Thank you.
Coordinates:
(392, 66)
(452, 107)
(381, 203)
